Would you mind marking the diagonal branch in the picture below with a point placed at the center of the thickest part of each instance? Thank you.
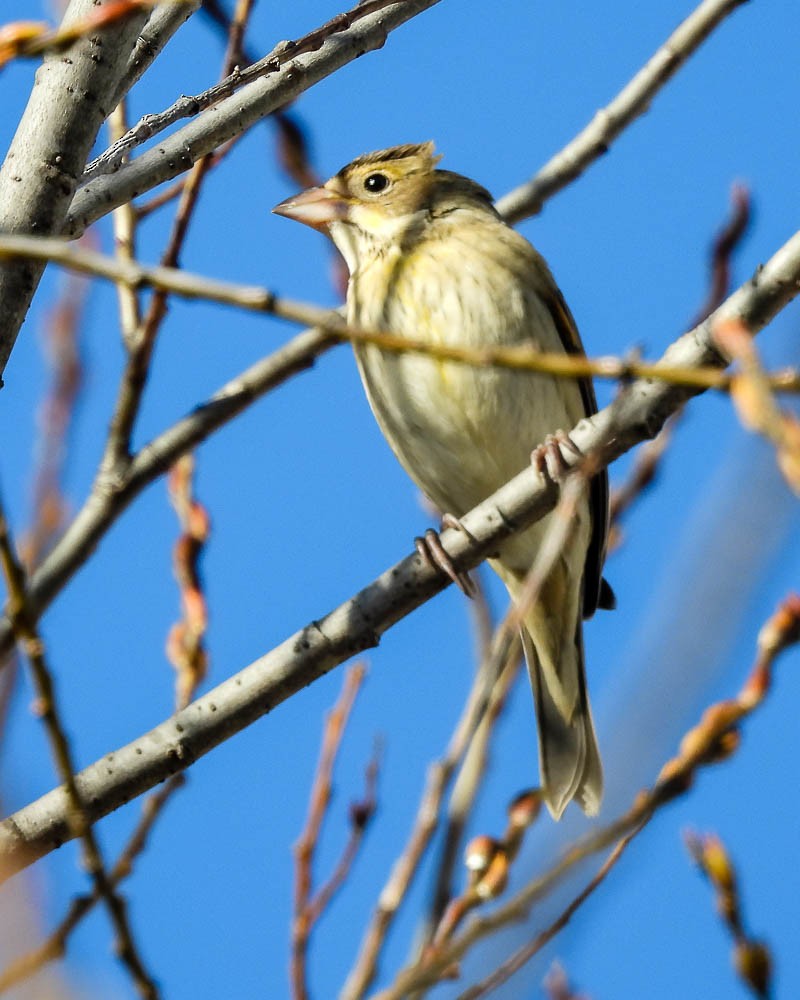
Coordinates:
(524, 954)
(307, 905)
(141, 345)
(54, 947)
(291, 70)
(254, 298)
(637, 414)
(497, 664)
(316, 61)
(755, 302)
(110, 496)
(47, 155)
(631, 102)
(164, 21)
(712, 741)
(78, 822)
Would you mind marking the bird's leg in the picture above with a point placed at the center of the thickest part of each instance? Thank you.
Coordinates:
(548, 457)
(433, 552)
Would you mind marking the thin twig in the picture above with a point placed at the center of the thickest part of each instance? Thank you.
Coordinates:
(273, 82)
(124, 220)
(292, 148)
(424, 826)
(186, 648)
(523, 955)
(258, 299)
(751, 957)
(30, 39)
(134, 378)
(24, 627)
(711, 741)
(306, 912)
(214, 12)
(464, 792)
(55, 946)
(361, 814)
(631, 102)
(650, 456)
(484, 701)
(725, 243)
(637, 414)
(473, 766)
(238, 77)
(137, 368)
(488, 861)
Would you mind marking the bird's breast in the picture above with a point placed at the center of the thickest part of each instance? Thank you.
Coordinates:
(459, 430)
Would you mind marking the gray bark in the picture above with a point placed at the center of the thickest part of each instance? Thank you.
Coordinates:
(73, 94)
(638, 413)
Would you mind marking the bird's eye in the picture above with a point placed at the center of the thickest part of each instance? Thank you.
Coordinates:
(375, 183)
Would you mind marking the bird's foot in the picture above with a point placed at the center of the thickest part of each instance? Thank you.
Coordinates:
(433, 552)
(548, 458)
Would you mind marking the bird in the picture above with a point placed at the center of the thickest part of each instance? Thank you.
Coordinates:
(430, 258)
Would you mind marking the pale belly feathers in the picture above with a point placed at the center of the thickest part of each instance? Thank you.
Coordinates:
(459, 431)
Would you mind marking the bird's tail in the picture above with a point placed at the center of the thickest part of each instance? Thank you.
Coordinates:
(569, 759)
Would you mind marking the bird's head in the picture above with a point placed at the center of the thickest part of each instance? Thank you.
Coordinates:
(383, 198)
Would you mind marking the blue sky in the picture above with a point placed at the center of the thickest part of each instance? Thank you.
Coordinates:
(308, 505)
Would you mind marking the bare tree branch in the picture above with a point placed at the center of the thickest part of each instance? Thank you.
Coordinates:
(524, 954)
(55, 946)
(648, 393)
(448, 910)
(179, 151)
(498, 662)
(466, 786)
(29, 39)
(142, 343)
(109, 496)
(72, 98)
(305, 910)
(631, 102)
(757, 301)
(752, 958)
(132, 274)
(78, 822)
(164, 21)
(725, 242)
(711, 741)
(637, 414)
(291, 69)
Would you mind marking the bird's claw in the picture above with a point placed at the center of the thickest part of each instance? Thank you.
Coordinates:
(548, 458)
(433, 552)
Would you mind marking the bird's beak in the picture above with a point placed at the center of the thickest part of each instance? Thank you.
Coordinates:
(317, 207)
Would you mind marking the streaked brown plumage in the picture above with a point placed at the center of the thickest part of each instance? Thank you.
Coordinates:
(430, 258)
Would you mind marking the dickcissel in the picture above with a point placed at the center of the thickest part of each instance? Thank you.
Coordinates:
(430, 258)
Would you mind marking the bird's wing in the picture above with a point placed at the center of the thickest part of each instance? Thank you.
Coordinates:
(596, 592)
